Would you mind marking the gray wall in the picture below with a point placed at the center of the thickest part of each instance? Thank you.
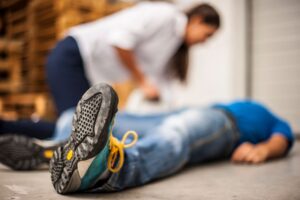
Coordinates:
(275, 56)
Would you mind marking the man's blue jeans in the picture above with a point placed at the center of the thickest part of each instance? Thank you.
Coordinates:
(169, 141)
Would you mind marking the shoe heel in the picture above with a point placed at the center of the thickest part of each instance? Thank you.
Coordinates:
(64, 178)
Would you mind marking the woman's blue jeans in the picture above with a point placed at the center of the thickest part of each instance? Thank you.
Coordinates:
(169, 141)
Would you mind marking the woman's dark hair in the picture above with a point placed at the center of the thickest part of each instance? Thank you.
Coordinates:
(178, 65)
(208, 14)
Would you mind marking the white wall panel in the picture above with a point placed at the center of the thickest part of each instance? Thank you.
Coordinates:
(276, 56)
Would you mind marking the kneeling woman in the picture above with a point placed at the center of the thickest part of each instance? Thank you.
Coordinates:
(147, 43)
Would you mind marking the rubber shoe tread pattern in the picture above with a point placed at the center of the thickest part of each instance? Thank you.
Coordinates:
(91, 122)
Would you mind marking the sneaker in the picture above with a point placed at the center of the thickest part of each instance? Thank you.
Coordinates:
(91, 153)
(23, 153)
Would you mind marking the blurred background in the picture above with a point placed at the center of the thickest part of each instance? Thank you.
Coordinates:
(256, 54)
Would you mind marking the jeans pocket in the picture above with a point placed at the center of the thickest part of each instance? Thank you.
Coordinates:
(218, 145)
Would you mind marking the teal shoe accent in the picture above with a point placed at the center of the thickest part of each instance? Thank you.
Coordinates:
(98, 166)
(96, 169)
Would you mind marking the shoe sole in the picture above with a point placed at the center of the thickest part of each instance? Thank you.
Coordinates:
(22, 153)
(96, 109)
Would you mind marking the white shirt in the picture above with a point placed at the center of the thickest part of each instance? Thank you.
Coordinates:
(153, 30)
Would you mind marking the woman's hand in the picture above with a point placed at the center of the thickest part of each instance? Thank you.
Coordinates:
(150, 90)
(250, 153)
(128, 59)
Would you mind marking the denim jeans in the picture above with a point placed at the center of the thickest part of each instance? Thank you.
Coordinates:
(63, 127)
(169, 141)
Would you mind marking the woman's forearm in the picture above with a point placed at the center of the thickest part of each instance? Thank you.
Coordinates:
(127, 57)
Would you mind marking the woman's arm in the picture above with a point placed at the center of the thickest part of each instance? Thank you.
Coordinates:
(247, 152)
(127, 57)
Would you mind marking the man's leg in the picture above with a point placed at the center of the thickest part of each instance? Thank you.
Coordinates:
(218, 139)
(63, 128)
(123, 122)
(91, 152)
(140, 123)
(22, 151)
(39, 129)
(192, 135)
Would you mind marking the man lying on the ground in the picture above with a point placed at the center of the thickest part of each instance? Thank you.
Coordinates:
(94, 159)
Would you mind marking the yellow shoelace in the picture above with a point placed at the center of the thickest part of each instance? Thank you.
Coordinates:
(117, 150)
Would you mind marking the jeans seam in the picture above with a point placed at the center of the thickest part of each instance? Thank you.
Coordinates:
(213, 136)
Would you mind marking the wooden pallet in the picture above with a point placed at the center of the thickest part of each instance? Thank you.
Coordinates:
(10, 78)
(8, 3)
(62, 14)
(13, 47)
(40, 24)
(115, 7)
(16, 20)
(49, 19)
(25, 106)
(10, 65)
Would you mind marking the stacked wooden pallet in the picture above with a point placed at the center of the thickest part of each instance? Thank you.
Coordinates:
(14, 103)
(17, 28)
(8, 3)
(10, 65)
(27, 105)
(38, 24)
(16, 20)
(116, 6)
(49, 19)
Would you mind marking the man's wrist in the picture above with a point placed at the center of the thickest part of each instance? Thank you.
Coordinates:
(265, 148)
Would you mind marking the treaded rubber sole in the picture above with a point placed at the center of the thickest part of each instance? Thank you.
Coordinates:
(91, 121)
(22, 153)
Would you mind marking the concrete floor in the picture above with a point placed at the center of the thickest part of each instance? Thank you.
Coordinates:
(279, 179)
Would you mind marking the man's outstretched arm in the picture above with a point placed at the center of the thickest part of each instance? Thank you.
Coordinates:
(250, 153)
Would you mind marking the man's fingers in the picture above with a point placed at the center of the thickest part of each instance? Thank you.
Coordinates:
(237, 156)
(254, 157)
(257, 160)
(241, 152)
(251, 156)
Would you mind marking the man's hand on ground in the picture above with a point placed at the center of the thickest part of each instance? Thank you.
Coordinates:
(274, 147)
(250, 153)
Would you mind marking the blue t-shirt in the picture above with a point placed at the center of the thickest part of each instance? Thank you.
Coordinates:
(256, 123)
